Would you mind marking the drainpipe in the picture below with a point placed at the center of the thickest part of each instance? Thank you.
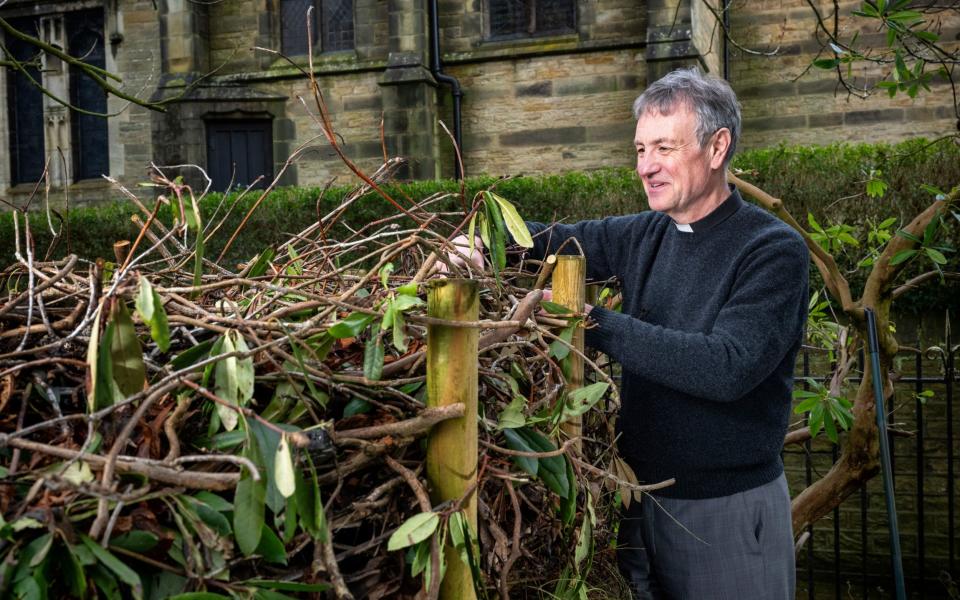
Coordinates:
(437, 71)
(726, 34)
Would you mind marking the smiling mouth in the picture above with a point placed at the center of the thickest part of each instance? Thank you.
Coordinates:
(655, 186)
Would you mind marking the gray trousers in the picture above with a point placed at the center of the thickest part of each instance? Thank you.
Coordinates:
(737, 547)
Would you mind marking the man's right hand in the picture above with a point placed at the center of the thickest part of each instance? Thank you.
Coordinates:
(461, 254)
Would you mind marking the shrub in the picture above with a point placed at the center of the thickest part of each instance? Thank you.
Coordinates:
(829, 181)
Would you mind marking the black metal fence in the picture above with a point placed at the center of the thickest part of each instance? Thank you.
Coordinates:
(847, 555)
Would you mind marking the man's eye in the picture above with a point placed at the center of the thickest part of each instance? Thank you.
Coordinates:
(665, 149)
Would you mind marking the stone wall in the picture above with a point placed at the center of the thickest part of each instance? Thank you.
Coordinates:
(547, 114)
(535, 105)
(785, 100)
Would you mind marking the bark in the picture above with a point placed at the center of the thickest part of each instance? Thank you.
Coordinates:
(859, 459)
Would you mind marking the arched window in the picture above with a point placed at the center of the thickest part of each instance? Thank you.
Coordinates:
(331, 24)
(91, 157)
(25, 108)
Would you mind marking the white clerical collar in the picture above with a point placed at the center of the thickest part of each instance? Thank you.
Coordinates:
(684, 227)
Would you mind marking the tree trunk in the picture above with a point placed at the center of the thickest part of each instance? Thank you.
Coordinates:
(860, 457)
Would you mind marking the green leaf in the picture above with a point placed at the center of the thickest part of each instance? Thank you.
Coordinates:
(846, 238)
(813, 223)
(373, 358)
(404, 303)
(399, 335)
(227, 387)
(887, 223)
(559, 349)
(36, 551)
(807, 404)
(270, 547)
(211, 517)
(105, 391)
(356, 406)
(192, 354)
(70, 570)
(385, 272)
(930, 231)
(568, 501)
(581, 400)
(199, 596)
(902, 256)
(515, 225)
(249, 504)
(128, 369)
(261, 262)
(286, 586)
(310, 503)
(135, 541)
(351, 326)
(936, 256)
(322, 349)
(815, 421)
(414, 530)
(245, 372)
(553, 308)
(826, 63)
(876, 188)
(122, 571)
(472, 233)
(498, 238)
(150, 307)
(408, 289)
(263, 454)
(584, 547)
(484, 225)
(512, 416)
(198, 248)
(830, 427)
(283, 469)
(144, 301)
(517, 442)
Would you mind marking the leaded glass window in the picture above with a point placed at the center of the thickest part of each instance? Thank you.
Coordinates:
(331, 23)
(525, 18)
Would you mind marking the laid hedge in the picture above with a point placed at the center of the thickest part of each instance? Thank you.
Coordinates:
(829, 181)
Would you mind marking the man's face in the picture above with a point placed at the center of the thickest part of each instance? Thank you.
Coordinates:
(674, 169)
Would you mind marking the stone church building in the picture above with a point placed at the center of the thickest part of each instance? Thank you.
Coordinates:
(528, 86)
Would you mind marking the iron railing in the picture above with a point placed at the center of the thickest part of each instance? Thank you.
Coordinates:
(847, 554)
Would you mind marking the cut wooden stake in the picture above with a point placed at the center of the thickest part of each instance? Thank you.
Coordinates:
(452, 445)
(569, 290)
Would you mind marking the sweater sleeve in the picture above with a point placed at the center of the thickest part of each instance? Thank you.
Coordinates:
(605, 242)
(761, 320)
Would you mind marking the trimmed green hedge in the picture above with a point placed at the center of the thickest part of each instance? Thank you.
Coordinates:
(829, 181)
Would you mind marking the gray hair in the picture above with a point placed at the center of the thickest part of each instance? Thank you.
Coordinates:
(712, 101)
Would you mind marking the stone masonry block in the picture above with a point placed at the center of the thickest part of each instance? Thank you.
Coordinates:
(544, 137)
(371, 102)
(826, 120)
(861, 117)
(775, 123)
(585, 85)
(540, 88)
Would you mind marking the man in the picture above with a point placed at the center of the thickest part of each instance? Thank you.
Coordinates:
(714, 304)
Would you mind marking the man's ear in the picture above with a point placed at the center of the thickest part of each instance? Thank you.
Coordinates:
(719, 145)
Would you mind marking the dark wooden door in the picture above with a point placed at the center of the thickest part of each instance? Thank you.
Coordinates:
(239, 151)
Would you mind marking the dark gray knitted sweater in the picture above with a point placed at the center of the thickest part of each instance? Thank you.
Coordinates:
(712, 320)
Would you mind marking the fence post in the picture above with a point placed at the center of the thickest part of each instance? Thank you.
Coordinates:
(452, 445)
(569, 290)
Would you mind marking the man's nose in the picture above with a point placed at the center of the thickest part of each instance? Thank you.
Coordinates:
(646, 165)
